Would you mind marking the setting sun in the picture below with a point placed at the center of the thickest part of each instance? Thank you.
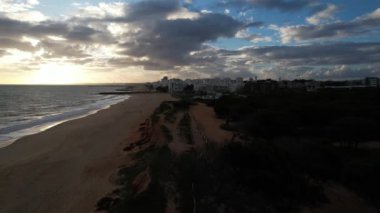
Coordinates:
(56, 73)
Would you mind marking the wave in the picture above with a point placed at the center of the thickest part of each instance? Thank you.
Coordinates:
(11, 133)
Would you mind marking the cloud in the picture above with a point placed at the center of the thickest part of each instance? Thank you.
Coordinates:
(159, 34)
(374, 15)
(22, 10)
(318, 55)
(76, 33)
(164, 35)
(359, 26)
(150, 10)
(58, 49)
(80, 33)
(319, 61)
(344, 72)
(339, 72)
(169, 42)
(244, 34)
(182, 13)
(7, 43)
(33, 2)
(165, 42)
(325, 12)
(12, 6)
(2, 52)
(100, 11)
(49, 40)
(34, 16)
(282, 5)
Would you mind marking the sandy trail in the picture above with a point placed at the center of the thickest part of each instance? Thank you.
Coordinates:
(68, 168)
(208, 124)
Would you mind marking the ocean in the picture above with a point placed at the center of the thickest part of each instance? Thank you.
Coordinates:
(27, 109)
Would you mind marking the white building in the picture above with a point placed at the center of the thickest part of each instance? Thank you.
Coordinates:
(372, 82)
(208, 85)
(164, 82)
(176, 85)
(217, 84)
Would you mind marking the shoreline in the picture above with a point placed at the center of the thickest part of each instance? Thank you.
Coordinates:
(67, 168)
(42, 124)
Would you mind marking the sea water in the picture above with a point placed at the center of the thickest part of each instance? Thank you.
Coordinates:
(26, 109)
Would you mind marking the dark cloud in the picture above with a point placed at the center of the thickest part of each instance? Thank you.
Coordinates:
(282, 5)
(152, 40)
(358, 26)
(169, 42)
(339, 72)
(71, 46)
(344, 72)
(179, 44)
(80, 33)
(16, 29)
(10, 43)
(9, 27)
(220, 63)
(322, 13)
(152, 9)
(58, 49)
(327, 54)
(288, 62)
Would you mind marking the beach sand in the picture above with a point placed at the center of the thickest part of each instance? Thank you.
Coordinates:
(69, 167)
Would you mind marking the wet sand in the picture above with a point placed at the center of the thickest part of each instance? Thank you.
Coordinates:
(69, 167)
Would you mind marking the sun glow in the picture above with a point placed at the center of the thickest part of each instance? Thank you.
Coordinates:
(57, 73)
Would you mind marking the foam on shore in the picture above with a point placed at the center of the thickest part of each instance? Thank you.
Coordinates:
(10, 134)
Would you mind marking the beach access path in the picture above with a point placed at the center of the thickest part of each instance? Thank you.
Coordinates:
(69, 167)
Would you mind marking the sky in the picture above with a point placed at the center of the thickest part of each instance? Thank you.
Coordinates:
(105, 41)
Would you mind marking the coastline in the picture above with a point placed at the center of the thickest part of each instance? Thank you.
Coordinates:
(18, 131)
(67, 168)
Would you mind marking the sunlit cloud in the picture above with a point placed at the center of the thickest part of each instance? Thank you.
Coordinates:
(325, 13)
(145, 39)
(359, 26)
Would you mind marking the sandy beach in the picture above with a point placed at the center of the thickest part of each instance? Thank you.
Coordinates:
(69, 167)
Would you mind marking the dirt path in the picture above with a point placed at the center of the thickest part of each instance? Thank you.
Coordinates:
(208, 125)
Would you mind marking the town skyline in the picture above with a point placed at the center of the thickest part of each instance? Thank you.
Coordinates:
(219, 86)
